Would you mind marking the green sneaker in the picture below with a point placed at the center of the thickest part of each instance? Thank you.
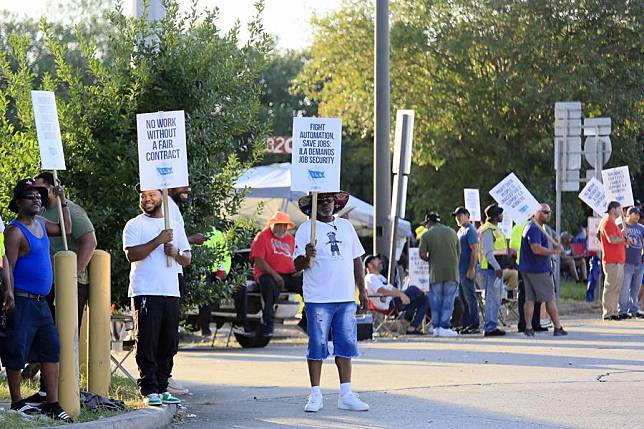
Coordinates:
(153, 400)
(167, 398)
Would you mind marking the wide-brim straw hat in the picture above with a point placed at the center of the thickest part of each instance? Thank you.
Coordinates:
(280, 217)
(341, 199)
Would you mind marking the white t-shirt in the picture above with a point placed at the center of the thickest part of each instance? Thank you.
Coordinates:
(375, 282)
(331, 278)
(151, 275)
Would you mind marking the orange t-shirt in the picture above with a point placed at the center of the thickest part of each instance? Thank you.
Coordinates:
(277, 252)
(611, 253)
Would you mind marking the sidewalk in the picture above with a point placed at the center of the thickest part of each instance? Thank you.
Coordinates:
(594, 378)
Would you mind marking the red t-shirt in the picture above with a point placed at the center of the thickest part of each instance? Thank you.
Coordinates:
(277, 252)
(611, 253)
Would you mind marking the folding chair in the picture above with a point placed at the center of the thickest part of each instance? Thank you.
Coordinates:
(119, 343)
(385, 322)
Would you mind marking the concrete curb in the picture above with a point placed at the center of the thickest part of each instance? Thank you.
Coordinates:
(146, 418)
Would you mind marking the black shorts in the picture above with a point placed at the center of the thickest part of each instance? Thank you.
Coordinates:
(31, 334)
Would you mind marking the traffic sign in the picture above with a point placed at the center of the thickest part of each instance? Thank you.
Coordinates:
(598, 147)
(593, 126)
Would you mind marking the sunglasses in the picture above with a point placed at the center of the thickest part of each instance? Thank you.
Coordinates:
(546, 212)
(31, 196)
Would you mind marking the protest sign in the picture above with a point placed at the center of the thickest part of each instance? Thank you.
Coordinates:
(418, 270)
(592, 234)
(315, 165)
(594, 196)
(163, 159)
(506, 224)
(617, 185)
(515, 198)
(48, 130)
(472, 203)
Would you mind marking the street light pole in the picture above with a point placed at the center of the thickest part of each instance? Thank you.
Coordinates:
(381, 155)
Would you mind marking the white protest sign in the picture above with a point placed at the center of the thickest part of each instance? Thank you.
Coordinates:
(418, 270)
(163, 159)
(617, 185)
(506, 224)
(48, 130)
(315, 165)
(594, 196)
(592, 234)
(515, 198)
(472, 203)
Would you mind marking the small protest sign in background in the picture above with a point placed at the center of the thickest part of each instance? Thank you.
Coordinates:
(163, 160)
(473, 203)
(592, 233)
(515, 198)
(617, 185)
(316, 157)
(506, 223)
(48, 130)
(594, 196)
(418, 270)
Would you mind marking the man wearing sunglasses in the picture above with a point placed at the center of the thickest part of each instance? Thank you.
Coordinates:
(536, 269)
(31, 333)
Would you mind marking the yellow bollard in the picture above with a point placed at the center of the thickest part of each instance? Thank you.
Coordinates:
(82, 343)
(100, 309)
(67, 325)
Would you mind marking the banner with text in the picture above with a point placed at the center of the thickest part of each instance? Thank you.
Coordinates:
(592, 232)
(515, 198)
(163, 159)
(617, 185)
(594, 196)
(315, 165)
(48, 130)
(473, 203)
(418, 270)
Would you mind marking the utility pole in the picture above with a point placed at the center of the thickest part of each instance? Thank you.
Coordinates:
(381, 155)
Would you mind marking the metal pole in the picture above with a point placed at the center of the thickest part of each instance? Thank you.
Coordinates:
(599, 163)
(381, 155)
(560, 177)
(99, 323)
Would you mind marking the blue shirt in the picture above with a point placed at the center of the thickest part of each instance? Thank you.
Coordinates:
(33, 272)
(467, 236)
(634, 251)
(531, 263)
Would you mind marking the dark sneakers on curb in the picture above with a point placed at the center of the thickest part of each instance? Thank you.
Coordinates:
(23, 407)
(529, 332)
(496, 333)
(37, 398)
(560, 332)
(54, 411)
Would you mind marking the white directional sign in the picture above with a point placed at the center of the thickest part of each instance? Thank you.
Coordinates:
(50, 142)
(597, 126)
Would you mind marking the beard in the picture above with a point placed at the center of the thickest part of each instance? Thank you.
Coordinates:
(150, 208)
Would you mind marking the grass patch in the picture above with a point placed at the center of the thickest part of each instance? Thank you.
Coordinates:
(572, 290)
(121, 388)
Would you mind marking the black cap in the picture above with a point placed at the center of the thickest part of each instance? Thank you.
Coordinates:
(461, 210)
(432, 217)
(23, 187)
(493, 210)
(369, 259)
(612, 205)
(634, 209)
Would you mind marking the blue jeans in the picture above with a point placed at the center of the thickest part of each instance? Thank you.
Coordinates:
(467, 294)
(441, 299)
(628, 302)
(339, 316)
(418, 303)
(492, 300)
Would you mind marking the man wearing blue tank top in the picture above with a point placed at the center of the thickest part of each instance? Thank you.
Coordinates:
(31, 333)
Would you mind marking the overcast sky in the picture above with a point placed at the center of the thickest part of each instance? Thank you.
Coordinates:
(288, 19)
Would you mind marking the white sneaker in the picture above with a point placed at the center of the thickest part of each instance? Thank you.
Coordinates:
(314, 404)
(176, 388)
(545, 323)
(437, 332)
(448, 333)
(351, 402)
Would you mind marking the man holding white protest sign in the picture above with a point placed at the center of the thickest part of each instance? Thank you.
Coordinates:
(157, 247)
(329, 252)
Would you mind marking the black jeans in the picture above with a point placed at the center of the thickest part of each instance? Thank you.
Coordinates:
(536, 316)
(270, 292)
(156, 324)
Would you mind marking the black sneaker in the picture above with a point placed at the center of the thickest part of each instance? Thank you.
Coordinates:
(54, 411)
(23, 407)
(529, 332)
(37, 398)
(540, 329)
(623, 316)
(560, 332)
(496, 333)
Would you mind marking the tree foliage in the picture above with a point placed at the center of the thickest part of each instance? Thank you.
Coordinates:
(183, 62)
(483, 77)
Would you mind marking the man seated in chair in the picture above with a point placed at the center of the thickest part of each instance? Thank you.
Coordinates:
(383, 296)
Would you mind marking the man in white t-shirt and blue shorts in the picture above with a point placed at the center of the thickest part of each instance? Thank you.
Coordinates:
(154, 289)
(332, 269)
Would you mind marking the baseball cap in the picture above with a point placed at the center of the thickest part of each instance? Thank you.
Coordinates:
(369, 259)
(461, 210)
(493, 210)
(634, 210)
(432, 217)
(612, 205)
(24, 187)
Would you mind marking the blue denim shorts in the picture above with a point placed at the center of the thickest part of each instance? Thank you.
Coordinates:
(339, 316)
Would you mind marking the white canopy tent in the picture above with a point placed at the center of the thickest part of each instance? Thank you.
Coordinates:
(270, 185)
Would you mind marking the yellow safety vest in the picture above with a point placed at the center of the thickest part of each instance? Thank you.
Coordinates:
(500, 245)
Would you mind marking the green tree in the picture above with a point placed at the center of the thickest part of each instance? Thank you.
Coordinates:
(183, 62)
(483, 77)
